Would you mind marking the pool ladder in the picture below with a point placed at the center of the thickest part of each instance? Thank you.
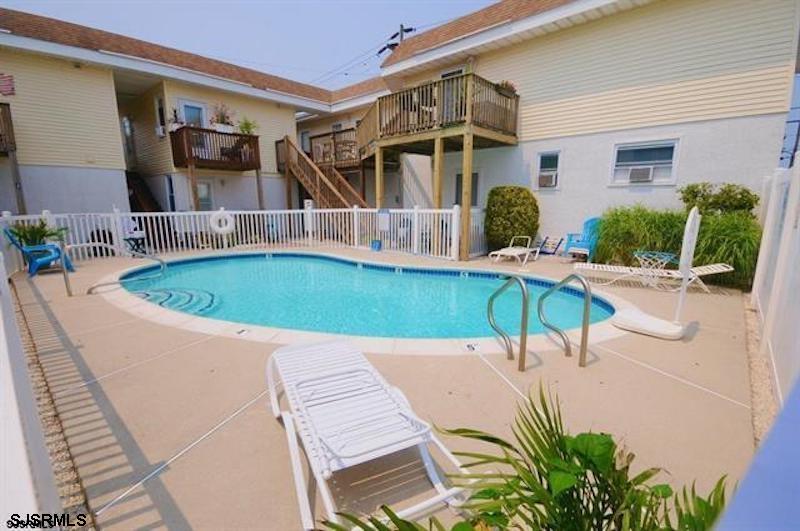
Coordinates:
(587, 305)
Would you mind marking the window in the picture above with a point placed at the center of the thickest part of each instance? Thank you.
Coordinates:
(161, 118)
(647, 163)
(459, 186)
(204, 195)
(336, 127)
(305, 141)
(452, 73)
(548, 170)
(193, 113)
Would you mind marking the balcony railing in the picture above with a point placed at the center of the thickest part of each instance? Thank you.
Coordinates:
(337, 147)
(207, 148)
(457, 100)
(7, 142)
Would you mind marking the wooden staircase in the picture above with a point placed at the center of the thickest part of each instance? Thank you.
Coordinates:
(327, 187)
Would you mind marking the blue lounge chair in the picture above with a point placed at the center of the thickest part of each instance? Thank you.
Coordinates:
(584, 243)
(38, 256)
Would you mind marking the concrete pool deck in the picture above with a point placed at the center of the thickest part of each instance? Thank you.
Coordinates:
(171, 427)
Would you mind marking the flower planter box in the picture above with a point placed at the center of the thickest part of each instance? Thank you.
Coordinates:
(224, 128)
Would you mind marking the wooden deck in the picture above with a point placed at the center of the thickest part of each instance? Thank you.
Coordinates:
(337, 147)
(411, 119)
(206, 148)
(7, 141)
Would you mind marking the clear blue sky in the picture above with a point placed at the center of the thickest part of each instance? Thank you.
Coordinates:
(298, 39)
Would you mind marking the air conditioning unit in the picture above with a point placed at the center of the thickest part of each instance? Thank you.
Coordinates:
(641, 174)
(548, 179)
(160, 131)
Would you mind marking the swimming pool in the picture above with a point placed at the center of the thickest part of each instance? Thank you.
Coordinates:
(334, 295)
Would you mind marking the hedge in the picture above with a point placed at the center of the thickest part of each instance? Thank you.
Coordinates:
(731, 237)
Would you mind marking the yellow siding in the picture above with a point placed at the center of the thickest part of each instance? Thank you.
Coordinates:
(153, 153)
(274, 120)
(668, 62)
(63, 115)
(319, 126)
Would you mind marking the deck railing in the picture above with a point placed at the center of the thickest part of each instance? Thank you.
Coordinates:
(207, 148)
(7, 141)
(462, 99)
(337, 147)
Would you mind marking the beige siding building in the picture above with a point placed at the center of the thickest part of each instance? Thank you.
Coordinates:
(614, 102)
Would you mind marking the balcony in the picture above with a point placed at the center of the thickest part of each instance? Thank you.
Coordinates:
(445, 107)
(337, 147)
(7, 142)
(206, 148)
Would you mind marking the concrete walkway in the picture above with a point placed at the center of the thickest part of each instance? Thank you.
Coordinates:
(170, 427)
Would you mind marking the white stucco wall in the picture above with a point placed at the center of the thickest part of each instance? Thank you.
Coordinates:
(738, 150)
(66, 189)
(8, 199)
(233, 192)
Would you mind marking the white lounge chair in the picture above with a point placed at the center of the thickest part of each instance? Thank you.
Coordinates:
(520, 253)
(647, 276)
(345, 413)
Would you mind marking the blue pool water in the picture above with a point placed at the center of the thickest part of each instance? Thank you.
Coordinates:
(322, 294)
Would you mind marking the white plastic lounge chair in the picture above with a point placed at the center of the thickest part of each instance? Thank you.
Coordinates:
(646, 275)
(345, 413)
(520, 253)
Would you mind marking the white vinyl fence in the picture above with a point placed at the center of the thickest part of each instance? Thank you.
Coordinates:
(28, 484)
(776, 286)
(424, 232)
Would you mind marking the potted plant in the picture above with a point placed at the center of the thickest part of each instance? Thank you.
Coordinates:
(175, 122)
(506, 88)
(222, 119)
(247, 126)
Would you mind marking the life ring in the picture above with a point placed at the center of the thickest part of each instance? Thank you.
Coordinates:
(221, 222)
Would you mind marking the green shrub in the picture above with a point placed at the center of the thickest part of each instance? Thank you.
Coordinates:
(510, 211)
(546, 479)
(36, 233)
(714, 199)
(731, 237)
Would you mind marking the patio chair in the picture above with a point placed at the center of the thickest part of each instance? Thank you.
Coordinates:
(39, 256)
(547, 246)
(133, 236)
(518, 252)
(344, 413)
(648, 276)
(584, 243)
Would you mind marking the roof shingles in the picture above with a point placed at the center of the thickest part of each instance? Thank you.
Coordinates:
(66, 33)
(499, 13)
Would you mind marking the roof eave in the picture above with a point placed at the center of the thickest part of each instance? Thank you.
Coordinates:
(138, 64)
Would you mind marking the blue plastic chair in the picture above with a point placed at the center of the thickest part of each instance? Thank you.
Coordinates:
(585, 242)
(38, 256)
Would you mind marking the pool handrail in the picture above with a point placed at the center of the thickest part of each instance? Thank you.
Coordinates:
(161, 263)
(523, 333)
(587, 305)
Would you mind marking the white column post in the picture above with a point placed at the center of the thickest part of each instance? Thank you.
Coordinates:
(455, 226)
(308, 219)
(356, 228)
(119, 237)
(18, 262)
(415, 230)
